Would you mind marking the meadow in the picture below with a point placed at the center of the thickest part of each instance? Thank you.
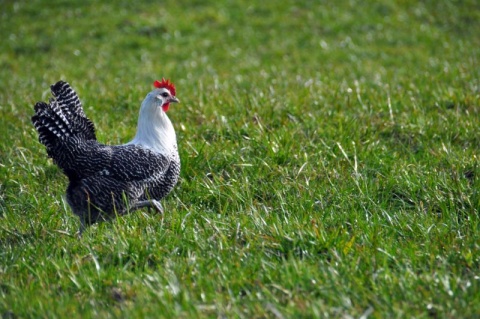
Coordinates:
(330, 159)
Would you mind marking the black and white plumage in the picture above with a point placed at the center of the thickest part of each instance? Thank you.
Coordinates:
(105, 180)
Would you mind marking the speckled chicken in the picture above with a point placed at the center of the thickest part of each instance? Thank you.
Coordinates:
(107, 180)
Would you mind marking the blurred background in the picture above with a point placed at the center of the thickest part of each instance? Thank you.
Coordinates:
(269, 56)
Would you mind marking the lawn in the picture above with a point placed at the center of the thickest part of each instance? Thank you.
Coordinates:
(330, 159)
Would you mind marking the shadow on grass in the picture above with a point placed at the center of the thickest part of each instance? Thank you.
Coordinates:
(9, 238)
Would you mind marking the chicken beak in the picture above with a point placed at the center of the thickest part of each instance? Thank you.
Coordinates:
(173, 99)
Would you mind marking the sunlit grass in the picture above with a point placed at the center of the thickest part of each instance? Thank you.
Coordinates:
(330, 160)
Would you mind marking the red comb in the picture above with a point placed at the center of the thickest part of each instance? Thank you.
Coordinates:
(165, 84)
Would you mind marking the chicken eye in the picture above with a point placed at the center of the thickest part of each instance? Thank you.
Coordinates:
(164, 94)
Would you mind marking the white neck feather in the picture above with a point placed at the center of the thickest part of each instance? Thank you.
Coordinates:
(155, 131)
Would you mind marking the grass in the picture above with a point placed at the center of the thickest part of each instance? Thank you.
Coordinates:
(330, 159)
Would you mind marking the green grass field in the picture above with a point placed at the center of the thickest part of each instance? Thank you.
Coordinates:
(330, 159)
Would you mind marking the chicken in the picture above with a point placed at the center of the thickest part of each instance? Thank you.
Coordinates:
(106, 180)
